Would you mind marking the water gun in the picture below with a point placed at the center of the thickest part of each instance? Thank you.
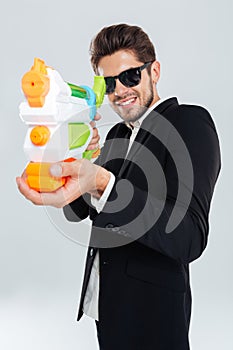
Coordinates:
(57, 114)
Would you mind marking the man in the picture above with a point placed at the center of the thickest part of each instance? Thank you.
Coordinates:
(162, 158)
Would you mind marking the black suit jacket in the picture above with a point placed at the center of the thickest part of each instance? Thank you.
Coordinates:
(145, 297)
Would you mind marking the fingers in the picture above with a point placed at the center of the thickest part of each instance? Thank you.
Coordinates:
(24, 175)
(95, 136)
(92, 147)
(28, 193)
(80, 176)
(93, 124)
(94, 143)
(58, 198)
(97, 116)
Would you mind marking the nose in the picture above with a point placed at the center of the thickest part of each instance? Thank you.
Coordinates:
(120, 89)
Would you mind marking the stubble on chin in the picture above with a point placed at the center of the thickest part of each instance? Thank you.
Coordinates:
(135, 112)
(132, 114)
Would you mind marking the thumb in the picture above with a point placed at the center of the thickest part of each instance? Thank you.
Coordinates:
(64, 169)
(56, 170)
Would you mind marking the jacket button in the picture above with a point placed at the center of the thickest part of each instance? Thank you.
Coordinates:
(91, 252)
(109, 226)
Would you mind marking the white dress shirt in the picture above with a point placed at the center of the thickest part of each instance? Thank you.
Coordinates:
(91, 300)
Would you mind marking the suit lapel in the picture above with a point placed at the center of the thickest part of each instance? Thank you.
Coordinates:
(115, 149)
(149, 124)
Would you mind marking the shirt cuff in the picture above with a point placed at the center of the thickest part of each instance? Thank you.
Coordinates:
(99, 203)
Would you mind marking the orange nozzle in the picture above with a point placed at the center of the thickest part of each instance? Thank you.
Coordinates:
(40, 135)
(35, 84)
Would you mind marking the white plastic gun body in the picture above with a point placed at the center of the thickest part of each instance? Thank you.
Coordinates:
(58, 116)
(59, 109)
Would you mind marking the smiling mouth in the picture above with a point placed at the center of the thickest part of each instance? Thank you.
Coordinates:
(127, 102)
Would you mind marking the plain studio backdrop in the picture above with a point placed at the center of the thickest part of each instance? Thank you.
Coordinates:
(40, 268)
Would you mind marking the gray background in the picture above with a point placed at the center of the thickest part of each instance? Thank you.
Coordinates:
(40, 269)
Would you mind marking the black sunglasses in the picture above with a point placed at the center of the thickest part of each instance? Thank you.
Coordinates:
(129, 78)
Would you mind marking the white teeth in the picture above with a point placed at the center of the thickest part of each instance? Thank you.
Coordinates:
(126, 102)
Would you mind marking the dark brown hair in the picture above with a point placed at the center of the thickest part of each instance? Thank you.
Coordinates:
(121, 37)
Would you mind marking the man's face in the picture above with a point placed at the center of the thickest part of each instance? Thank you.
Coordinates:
(130, 103)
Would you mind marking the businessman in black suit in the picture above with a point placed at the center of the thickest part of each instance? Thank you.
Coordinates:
(161, 162)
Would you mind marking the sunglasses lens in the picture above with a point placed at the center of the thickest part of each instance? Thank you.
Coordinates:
(128, 78)
(131, 77)
(110, 85)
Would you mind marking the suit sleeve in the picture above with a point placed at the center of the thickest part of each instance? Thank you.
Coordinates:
(149, 214)
(77, 210)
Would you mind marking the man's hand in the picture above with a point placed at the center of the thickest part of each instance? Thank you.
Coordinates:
(94, 143)
(82, 177)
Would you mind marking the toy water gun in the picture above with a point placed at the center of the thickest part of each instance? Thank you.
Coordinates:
(58, 115)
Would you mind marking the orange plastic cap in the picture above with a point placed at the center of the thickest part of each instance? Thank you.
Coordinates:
(39, 178)
(36, 84)
(40, 135)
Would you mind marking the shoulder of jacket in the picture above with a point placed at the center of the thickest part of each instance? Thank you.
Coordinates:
(115, 130)
(187, 113)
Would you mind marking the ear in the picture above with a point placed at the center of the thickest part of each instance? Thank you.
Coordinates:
(155, 71)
